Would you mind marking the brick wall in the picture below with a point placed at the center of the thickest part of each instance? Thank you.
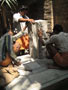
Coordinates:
(48, 13)
(42, 9)
(53, 11)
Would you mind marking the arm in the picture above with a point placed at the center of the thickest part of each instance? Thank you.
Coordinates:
(26, 20)
(51, 40)
(19, 34)
(18, 18)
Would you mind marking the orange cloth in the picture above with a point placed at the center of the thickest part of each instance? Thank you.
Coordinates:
(24, 42)
(61, 59)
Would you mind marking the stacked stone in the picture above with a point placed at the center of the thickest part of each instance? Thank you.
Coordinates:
(48, 13)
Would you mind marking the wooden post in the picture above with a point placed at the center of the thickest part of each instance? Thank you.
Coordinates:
(4, 16)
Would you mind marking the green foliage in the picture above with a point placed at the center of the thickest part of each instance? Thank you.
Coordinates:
(10, 3)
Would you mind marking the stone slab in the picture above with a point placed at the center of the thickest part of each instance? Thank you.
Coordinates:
(20, 83)
(48, 77)
(39, 78)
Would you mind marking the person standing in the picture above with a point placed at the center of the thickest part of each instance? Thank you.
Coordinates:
(19, 21)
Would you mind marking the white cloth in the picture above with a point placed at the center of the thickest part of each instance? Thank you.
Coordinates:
(60, 40)
(12, 38)
(19, 25)
(1, 45)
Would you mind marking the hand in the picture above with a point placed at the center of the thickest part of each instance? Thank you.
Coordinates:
(31, 20)
(10, 32)
(40, 33)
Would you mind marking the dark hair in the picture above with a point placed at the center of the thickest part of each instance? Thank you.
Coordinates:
(57, 29)
(23, 7)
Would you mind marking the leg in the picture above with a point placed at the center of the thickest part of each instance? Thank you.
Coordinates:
(60, 60)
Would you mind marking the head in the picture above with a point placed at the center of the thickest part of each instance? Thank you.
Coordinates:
(23, 10)
(57, 29)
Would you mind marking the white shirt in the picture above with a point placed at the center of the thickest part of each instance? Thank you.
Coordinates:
(60, 40)
(19, 25)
